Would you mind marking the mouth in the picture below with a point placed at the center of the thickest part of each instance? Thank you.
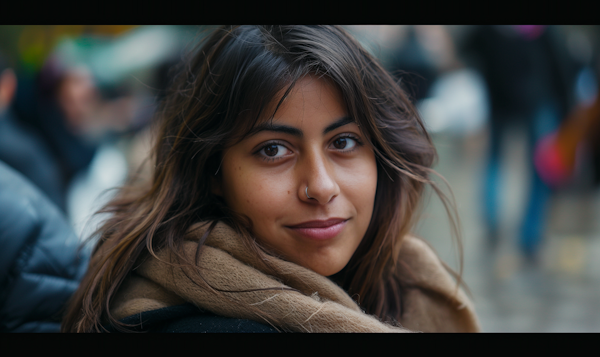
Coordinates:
(320, 230)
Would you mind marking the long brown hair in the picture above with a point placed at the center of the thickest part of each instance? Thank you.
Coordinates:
(217, 97)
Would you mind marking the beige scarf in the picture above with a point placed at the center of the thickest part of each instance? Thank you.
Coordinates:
(294, 298)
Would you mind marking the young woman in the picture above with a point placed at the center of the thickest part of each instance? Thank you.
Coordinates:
(289, 167)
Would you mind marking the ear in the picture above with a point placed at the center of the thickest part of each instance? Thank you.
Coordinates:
(8, 87)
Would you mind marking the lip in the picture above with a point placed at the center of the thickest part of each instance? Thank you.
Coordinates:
(320, 230)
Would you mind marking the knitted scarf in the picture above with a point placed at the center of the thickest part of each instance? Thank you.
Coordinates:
(291, 298)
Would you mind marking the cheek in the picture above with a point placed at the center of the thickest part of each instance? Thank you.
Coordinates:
(253, 193)
(361, 185)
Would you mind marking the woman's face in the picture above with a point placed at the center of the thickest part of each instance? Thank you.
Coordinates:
(311, 142)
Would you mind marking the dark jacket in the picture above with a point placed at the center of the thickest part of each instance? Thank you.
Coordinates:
(40, 265)
(187, 318)
(520, 72)
(25, 151)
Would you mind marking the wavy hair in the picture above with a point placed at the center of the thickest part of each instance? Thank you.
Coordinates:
(218, 95)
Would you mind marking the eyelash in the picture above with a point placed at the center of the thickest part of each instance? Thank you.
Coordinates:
(349, 136)
(342, 136)
(267, 158)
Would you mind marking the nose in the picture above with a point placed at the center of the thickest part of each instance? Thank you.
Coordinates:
(318, 175)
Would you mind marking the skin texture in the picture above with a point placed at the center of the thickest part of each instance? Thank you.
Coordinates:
(265, 177)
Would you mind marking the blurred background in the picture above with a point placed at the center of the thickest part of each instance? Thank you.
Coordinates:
(513, 111)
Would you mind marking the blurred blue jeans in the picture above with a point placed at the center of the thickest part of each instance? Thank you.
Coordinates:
(545, 119)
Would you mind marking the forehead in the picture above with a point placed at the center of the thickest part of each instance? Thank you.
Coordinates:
(310, 100)
(310, 96)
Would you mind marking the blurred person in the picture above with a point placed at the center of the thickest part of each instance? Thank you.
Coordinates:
(287, 173)
(529, 82)
(412, 63)
(40, 261)
(22, 148)
(450, 97)
(424, 53)
(558, 155)
(63, 106)
(57, 103)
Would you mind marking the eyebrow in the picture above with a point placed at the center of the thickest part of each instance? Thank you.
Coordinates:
(286, 129)
(340, 122)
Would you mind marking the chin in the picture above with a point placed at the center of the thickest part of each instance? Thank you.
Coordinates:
(325, 264)
(328, 270)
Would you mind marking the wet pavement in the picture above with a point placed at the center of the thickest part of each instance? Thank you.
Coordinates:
(560, 291)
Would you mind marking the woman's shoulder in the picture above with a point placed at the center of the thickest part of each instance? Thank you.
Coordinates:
(417, 255)
(187, 318)
(432, 299)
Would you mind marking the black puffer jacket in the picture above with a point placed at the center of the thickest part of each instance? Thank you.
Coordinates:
(40, 265)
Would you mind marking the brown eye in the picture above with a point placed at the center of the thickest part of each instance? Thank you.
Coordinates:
(271, 150)
(340, 143)
(345, 143)
(274, 151)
